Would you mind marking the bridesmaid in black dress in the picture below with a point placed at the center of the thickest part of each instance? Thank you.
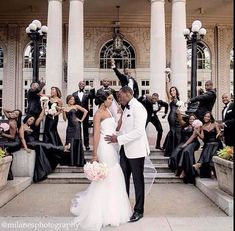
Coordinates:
(182, 159)
(174, 135)
(9, 140)
(73, 131)
(47, 155)
(210, 134)
(51, 134)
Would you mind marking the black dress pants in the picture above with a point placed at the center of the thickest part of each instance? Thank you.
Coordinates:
(136, 168)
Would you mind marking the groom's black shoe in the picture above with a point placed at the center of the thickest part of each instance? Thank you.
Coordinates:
(136, 216)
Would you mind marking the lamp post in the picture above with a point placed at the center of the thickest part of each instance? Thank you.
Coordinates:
(193, 36)
(36, 32)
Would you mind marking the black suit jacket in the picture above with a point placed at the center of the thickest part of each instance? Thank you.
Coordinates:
(148, 105)
(87, 95)
(229, 127)
(206, 102)
(34, 104)
(125, 80)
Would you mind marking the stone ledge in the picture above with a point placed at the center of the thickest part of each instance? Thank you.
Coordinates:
(13, 188)
(23, 163)
(210, 188)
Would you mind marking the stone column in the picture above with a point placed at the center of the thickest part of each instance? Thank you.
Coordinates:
(157, 48)
(10, 69)
(178, 48)
(54, 68)
(75, 45)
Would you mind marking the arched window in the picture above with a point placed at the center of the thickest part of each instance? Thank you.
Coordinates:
(203, 56)
(1, 77)
(231, 71)
(203, 66)
(28, 55)
(127, 54)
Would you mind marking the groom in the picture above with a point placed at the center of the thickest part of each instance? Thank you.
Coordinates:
(134, 145)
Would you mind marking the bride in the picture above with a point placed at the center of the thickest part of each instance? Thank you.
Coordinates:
(104, 202)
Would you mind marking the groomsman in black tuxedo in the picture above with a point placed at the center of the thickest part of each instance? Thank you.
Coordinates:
(228, 120)
(153, 105)
(34, 104)
(82, 97)
(126, 79)
(206, 100)
(106, 87)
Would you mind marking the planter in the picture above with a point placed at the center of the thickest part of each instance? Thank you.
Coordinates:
(5, 163)
(224, 173)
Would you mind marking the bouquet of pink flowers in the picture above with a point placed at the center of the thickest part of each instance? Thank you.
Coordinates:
(197, 123)
(95, 171)
(4, 127)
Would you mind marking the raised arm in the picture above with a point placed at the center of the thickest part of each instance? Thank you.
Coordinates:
(7, 112)
(122, 78)
(40, 118)
(168, 89)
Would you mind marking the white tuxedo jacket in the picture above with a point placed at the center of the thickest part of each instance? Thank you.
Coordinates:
(132, 133)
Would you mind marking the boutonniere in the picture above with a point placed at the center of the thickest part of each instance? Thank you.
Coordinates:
(128, 115)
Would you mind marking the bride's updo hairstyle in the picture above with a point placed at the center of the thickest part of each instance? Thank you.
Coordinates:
(101, 96)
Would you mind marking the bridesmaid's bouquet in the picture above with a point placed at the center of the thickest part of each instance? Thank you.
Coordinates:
(95, 171)
(181, 106)
(4, 127)
(197, 124)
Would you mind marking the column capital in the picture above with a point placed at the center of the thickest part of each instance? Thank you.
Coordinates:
(55, 1)
(174, 1)
(152, 1)
(82, 1)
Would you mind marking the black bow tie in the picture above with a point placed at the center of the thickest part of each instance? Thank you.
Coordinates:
(127, 106)
(81, 90)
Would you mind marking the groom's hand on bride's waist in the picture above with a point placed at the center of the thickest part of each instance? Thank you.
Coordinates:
(111, 139)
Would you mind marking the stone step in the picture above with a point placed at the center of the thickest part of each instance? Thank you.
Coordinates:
(153, 152)
(79, 178)
(13, 188)
(156, 159)
(74, 169)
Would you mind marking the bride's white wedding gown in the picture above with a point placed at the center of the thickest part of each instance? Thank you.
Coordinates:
(104, 202)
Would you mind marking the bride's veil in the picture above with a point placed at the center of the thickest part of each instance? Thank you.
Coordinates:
(114, 110)
(150, 173)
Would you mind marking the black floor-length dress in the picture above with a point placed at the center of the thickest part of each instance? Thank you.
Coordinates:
(47, 156)
(73, 136)
(174, 135)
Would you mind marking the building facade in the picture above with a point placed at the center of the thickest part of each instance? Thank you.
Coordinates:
(79, 45)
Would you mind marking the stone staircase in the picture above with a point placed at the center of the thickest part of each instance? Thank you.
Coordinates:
(75, 175)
